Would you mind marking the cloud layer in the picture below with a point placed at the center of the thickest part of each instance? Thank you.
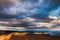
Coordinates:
(28, 8)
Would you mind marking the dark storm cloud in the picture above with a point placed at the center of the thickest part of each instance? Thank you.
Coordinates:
(6, 16)
(5, 3)
(30, 0)
(28, 8)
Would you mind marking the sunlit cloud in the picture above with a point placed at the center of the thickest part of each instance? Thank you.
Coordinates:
(55, 14)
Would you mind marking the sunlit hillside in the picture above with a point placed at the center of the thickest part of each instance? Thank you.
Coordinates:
(25, 36)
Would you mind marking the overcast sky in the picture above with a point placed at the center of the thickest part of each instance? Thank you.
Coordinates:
(38, 9)
(29, 11)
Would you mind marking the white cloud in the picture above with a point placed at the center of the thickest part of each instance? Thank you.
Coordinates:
(54, 14)
(5, 28)
(28, 19)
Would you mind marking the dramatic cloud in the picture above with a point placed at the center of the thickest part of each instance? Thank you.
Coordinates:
(28, 8)
(55, 14)
(30, 14)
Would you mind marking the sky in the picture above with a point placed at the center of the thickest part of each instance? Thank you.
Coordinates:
(28, 11)
(55, 13)
(20, 9)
